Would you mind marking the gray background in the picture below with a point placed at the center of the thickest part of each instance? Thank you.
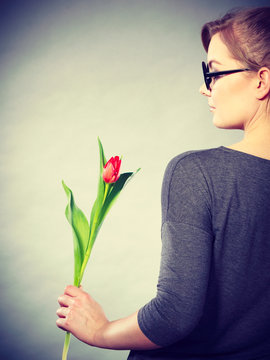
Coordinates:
(129, 72)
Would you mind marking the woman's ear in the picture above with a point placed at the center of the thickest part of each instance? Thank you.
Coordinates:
(263, 83)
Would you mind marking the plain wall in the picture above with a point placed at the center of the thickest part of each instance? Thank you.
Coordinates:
(70, 71)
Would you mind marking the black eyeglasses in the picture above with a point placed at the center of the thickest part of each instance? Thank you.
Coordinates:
(209, 75)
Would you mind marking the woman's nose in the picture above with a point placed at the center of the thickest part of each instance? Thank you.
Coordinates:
(204, 91)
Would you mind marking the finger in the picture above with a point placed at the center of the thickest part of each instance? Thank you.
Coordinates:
(72, 290)
(62, 312)
(65, 300)
(61, 323)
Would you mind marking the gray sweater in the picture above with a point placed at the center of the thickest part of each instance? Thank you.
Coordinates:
(213, 292)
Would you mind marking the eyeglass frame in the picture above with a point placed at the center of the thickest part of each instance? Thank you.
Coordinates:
(209, 75)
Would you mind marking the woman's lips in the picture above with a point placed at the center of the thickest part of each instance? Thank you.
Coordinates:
(211, 108)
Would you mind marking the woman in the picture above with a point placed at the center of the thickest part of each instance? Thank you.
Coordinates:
(213, 298)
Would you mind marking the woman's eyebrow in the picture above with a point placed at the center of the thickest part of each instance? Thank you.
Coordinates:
(213, 61)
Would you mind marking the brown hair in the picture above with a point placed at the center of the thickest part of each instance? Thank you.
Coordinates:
(246, 33)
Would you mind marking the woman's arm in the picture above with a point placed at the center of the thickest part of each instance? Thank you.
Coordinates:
(81, 315)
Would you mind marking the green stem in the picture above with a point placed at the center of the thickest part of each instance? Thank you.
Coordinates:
(107, 186)
(66, 346)
(93, 233)
(77, 282)
(86, 257)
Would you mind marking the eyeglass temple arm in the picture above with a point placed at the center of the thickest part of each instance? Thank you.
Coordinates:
(215, 73)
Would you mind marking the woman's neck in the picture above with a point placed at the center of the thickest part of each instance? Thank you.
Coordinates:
(256, 140)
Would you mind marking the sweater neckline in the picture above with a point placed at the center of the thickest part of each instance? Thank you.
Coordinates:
(244, 154)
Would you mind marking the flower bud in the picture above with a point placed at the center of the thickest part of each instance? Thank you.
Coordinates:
(111, 170)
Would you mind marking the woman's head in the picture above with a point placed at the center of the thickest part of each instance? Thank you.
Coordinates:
(246, 33)
(239, 40)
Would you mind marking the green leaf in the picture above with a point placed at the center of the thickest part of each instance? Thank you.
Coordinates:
(103, 160)
(114, 193)
(80, 230)
(100, 197)
(101, 187)
(93, 212)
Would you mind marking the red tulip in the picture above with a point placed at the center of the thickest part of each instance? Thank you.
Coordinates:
(111, 170)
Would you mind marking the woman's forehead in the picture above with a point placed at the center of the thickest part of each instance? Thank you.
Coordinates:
(218, 52)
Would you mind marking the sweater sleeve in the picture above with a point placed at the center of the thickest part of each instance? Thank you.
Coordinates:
(187, 241)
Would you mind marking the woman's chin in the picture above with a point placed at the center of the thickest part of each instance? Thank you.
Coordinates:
(226, 124)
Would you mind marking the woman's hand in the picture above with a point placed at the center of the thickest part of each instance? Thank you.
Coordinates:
(81, 315)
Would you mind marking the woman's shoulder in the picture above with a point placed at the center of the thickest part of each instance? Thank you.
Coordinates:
(192, 168)
(219, 160)
(193, 159)
(187, 176)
